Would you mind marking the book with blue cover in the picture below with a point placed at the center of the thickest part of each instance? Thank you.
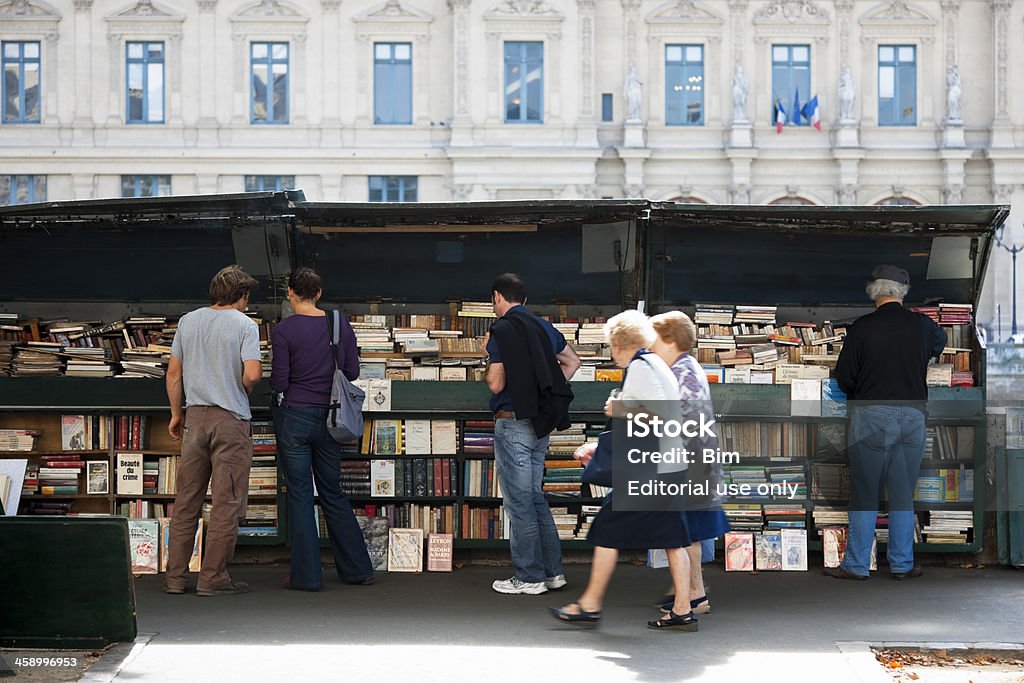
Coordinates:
(833, 399)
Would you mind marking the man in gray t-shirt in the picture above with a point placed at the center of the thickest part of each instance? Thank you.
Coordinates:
(215, 363)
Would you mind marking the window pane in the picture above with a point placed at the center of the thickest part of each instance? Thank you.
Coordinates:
(280, 93)
(780, 54)
(694, 53)
(146, 186)
(287, 182)
(156, 51)
(40, 195)
(673, 94)
(12, 105)
(801, 53)
(250, 183)
(886, 82)
(534, 94)
(32, 50)
(403, 51)
(382, 51)
(259, 92)
(127, 186)
(411, 190)
(31, 92)
(134, 50)
(403, 93)
(163, 186)
(886, 54)
(906, 54)
(280, 50)
(12, 50)
(259, 50)
(534, 52)
(22, 190)
(674, 53)
(606, 106)
(513, 94)
(5, 189)
(135, 92)
(907, 95)
(156, 93)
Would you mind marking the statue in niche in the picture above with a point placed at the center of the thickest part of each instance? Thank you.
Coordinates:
(740, 88)
(847, 95)
(634, 94)
(954, 91)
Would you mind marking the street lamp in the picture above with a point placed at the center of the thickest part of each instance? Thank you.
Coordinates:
(1014, 250)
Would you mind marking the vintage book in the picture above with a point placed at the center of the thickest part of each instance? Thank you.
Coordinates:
(794, 550)
(144, 537)
(739, 551)
(768, 551)
(833, 400)
(430, 373)
(378, 394)
(940, 375)
(785, 373)
(417, 437)
(405, 550)
(444, 437)
(387, 437)
(382, 478)
(375, 533)
(585, 373)
(97, 477)
(72, 433)
(761, 377)
(129, 474)
(450, 374)
(439, 552)
(608, 375)
(805, 398)
(737, 375)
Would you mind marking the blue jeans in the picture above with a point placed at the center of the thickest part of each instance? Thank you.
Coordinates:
(886, 444)
(519, 456)
(303, 446)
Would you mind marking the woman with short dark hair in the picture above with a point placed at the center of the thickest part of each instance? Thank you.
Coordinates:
(303, 371)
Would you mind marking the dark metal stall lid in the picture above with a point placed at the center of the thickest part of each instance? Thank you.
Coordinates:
(814, 255)
(573, 251)
(139, 249)
(131, 211)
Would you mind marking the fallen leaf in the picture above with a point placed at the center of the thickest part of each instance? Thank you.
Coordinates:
(912, 676)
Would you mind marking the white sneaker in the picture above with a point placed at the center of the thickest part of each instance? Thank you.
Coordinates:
(514, 586)
(554, 583)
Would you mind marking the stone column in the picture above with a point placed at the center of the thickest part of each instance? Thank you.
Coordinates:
(1002, 126)
(462, 123)
(84, 80)
(115, 50)
(586, 125)
(297, 75)
(330, 120)
(51, 111)
(208, 60)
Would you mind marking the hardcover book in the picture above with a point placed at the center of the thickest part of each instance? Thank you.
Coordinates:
(405, 550)
(768, 547)
(439, 552)
(739, 551)
(375, 533)
(72, 433)
(794, 550)
(144, 537)
(97, 477)
(129, 474)
(382, 478)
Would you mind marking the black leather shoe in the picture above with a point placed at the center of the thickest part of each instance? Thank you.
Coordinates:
(840, 573)
(915, 572)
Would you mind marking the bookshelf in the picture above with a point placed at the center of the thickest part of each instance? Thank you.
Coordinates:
(580, 258)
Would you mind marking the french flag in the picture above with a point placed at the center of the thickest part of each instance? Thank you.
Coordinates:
(780, 115)
(811, 113)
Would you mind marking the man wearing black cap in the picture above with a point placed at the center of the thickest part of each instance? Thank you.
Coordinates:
(883, 369)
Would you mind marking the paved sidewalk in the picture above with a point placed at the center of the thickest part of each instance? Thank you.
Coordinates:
(452, 627)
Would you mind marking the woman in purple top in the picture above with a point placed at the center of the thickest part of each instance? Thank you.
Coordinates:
(303, 371)
(704, 516)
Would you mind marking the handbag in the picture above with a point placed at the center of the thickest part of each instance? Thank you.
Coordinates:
(599, 470)
(345, 412)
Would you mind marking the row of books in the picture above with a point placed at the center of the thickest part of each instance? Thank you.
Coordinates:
(400, 477)
(764, 439)
(100, 432)
(945, 485)
(409, 437)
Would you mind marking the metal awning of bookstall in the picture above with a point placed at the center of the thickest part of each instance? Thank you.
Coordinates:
(568, 251)
(815, 256)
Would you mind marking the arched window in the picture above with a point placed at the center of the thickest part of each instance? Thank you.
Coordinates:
(898, 201)
(687, 200)
(792, 201)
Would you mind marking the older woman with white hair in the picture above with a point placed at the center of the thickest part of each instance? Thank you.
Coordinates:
(649, 386)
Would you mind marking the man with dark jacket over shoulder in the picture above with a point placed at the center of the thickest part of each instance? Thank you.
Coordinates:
(883, 369)
(529, 365)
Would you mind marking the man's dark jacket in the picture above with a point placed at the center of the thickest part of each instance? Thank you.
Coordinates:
(533, 377)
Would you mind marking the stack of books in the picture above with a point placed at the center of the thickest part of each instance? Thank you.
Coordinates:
(18, 439)
(58, 475)
(948, 526)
